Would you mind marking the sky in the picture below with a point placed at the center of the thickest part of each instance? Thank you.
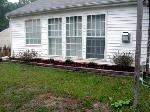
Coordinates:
(12, 1)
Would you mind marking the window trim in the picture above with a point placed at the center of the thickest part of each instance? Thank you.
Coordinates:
(105, 51)
(50, 55)
(33, 38)
(73, 35)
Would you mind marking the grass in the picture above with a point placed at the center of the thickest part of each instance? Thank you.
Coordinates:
(20, 84)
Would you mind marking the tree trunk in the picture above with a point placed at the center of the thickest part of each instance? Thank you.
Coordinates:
(148, 43)
(138, 50)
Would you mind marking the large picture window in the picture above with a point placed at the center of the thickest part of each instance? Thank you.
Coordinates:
(55, 36)
(74, 36)
(95, 36)
(33, 31)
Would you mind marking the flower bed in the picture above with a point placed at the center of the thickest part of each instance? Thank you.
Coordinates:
(98, 68)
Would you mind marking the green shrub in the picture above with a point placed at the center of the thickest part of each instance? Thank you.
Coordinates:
(0, 59)
(68, 61)
(123, 59)
(27, 55)
(119, 103)
(92, 64)
(51, 60)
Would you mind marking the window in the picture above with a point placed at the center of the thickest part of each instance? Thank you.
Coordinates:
(33, 31)
(55, 36)
(74, 36)
(95, 36)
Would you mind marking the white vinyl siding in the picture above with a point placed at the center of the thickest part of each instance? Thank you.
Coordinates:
(117, 20)
(74, 36)
(55, 36)
(33, 31)
(95, 36)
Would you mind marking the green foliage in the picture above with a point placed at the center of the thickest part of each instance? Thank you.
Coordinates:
(6, 7)
(123, 59)
(69, 61)
(51, 60)
(92, 64)
(119, 103)
(27, 55)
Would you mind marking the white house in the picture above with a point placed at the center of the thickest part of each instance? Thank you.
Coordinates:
(77, 29)
(5, 38)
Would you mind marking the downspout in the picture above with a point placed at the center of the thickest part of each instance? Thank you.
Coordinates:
(148, 43)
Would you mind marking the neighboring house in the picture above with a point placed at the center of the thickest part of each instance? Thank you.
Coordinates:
(77, 29)
(5, 38)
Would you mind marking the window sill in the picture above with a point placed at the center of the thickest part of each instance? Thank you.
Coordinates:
(33, 44)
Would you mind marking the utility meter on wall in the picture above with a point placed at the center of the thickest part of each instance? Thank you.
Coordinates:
(126, 37)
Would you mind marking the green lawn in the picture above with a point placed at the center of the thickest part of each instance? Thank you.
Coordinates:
(21, 85)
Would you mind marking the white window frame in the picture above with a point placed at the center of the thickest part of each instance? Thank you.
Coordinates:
(105, 36)
(56, 37)
(74, 35)
(32, 32)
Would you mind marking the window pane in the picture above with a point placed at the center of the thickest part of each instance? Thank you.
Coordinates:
(67, 20)
(89, 33)
(102, 25)
(97, 32)
(67, 26)
(74, 36)
(103, 17)
(89, 19)
(89, 25)
(55, 36)
(79, 19)
(79, 26)
(93, 22)
(38, 22)
(95, 36)
(33, 31)
(71, 19)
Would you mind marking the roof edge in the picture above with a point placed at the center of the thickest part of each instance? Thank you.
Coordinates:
(75, 7)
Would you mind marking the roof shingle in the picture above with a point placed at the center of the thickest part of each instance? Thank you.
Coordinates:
(48, 5)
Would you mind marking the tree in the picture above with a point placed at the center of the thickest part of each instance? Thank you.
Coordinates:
(6, 7)
(24, 2)
(148, 42)
(138, 50)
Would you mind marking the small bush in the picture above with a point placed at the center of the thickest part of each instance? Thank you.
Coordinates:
(123, 59)
(92, 64)
(27, 55)
(120, 103)
(0, 59)
(51, 60)
(68, 61)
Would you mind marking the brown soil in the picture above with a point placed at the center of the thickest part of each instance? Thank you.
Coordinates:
(50, 103)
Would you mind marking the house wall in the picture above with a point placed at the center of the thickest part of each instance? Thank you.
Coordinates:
(5, 38)
(118, 19)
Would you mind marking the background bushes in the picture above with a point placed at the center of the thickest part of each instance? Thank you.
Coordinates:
(5, 51)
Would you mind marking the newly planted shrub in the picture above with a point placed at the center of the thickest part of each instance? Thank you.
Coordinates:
(123, 59)
(51, 60)
(27, 55)
(68, 61)
(92, 64)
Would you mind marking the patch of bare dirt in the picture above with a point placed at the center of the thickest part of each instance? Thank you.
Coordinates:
(50, 103)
